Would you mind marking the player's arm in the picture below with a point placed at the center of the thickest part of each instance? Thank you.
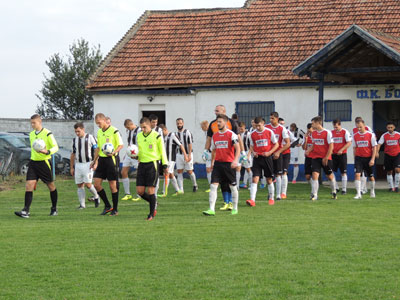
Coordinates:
(348, 143)
(378, 147)
(273, 149)
(93, 164)
(120, 143)
(52, 143)
(285, 147)
(72, 164)
(237, 154)
(374, 150)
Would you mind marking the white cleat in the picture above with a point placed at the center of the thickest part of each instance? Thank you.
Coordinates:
(372, 195)
(358, 197)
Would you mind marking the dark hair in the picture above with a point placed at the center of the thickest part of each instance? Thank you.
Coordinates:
(274, 114)
(258, 120)
(35, 116)
(153, 117)
(390, 123)
(360, 121)
(293, 125)
(162, 126)
(357, 119)
(235, 117)
(317, 119)
(144, 120)
(242, 124)
(224, 117)
(336, 121)
(127, 121)
(179, 119)
(309, 126)
(280, 119)
(79, 125)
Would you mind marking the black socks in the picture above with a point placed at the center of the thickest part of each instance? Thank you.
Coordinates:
(103, 197)
(28, 200)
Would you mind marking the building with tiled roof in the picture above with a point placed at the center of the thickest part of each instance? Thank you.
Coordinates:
(339, 58)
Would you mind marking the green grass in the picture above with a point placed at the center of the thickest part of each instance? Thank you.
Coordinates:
(343, 249)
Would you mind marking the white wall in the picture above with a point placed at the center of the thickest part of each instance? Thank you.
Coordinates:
(296, 105)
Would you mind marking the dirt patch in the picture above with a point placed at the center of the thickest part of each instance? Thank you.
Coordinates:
(9, 183)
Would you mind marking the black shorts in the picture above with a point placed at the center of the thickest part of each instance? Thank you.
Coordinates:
(147, 174)
(277, 163)
(262, 166)
(223, 173)
(106, 168)
(41, 169)
(339, 162)
(391, 162)
(308, 166)
(316, 166)
(285, 162)
(361, 164)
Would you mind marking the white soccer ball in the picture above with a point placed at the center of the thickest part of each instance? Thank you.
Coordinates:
(38, 145)
(107, 148)
(132, 151)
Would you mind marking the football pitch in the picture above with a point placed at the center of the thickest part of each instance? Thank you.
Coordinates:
(331, 249)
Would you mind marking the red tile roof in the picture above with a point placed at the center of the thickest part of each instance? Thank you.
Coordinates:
(259, 43)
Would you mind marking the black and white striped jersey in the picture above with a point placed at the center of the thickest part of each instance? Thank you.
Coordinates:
(171, 143)
(132, 135)
(83, 148)
(186, 138)
(246, 140)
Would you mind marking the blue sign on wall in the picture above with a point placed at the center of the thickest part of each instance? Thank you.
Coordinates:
(378, 94)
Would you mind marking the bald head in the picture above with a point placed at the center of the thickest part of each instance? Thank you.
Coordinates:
(220, 110)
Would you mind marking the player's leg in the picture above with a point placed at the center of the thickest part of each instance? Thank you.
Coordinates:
(295, 173)
(388, 166)
(397, 179)
(125, 181)
(189, 169)
(370, 173)
(358, 167)
(343, 171)
(256, 170)
(237, 176)
(331, 177)
(44, 171)
(231, 177)
(81, 195)
(147, 178)
(285, 167)
(180, 165)
(316, 165)
(212, 196)
(307, 169)
(278, 170)
(29, 187)
(268, 167)
(53, 197)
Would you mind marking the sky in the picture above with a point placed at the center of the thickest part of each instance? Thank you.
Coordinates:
(32, 31)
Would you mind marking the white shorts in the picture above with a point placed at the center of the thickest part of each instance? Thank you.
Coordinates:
(171, 167)
(129, 162)
(249, 163)
(294, 155)
(182, 164)
(83, 173)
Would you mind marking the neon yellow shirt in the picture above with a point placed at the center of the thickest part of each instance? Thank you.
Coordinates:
(50, 141)
(110, 135)
(151, 147)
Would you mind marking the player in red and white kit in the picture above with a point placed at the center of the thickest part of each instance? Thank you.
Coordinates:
(282, 136)
(364, 145)
(263, 144)
(322, 157)
(391, 140)
(341, 142)
(364, 188)
(307, 144)
(225, 158)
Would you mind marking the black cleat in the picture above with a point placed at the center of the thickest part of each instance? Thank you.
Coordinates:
(80, 207)
(334, 196)
(195, 188)
(396, 190)
(390, 190)
(149, 218)
(344, 192)
(23, 214)
(53, 212)
(96, 202)
(278, 198)
(106, 211)
(114, 213)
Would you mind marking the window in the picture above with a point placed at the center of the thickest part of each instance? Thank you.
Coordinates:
(337, 109)
(249, 110)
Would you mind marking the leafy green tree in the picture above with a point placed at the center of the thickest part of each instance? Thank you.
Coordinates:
(63, 94)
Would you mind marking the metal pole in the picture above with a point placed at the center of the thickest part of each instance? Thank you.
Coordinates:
(321, 108)
(53, 162)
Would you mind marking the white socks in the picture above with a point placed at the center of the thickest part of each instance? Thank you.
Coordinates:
(93, 191)
(237, 179)
(278, 186)
(235, 196)
(245, 177)
(390, 181)
(192, 178)
(284, 184)
(253, 191)
(212, 198)
(314, 187)
(333, 185)
(364, 183)
(250, 178)
(180, 181)
(263, 180)
(344, 182)
(174, 183)
(209, 178)
(396, 180)
(372, 186)
(295, 173)
(81, 196)
(165, 185)
(357, 183)
(271, 191)
(125, 183)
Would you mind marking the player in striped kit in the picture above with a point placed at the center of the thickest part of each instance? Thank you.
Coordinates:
(206, 156)
(171, 143)
(283, 138)
(364, 145)
(263, 143)
(321, 149)
(341, 142)
(391, 140)
(295, 149)
(83, 146)
(225, 158)
(182, 164)
(248, 174)
(129, 162)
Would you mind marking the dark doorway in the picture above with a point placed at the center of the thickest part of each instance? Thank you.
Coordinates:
(384, 111)
(159, 113)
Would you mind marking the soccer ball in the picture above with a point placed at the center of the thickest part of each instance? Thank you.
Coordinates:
(132, 151)
(38, 145)
(107, 148)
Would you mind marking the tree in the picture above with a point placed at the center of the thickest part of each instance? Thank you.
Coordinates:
(63, 95)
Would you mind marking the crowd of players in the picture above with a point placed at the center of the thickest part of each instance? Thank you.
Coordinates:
(264, 151)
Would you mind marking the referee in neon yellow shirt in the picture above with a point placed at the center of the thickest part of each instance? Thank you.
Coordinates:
(151, 150)
(105, 166)
(40, 167)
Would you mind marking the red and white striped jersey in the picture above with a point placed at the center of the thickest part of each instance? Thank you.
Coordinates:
(280, 133)
(223, 143)
(321, 141)
(391, 141)
(340, 138)
(364, 143)
(262, 141)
